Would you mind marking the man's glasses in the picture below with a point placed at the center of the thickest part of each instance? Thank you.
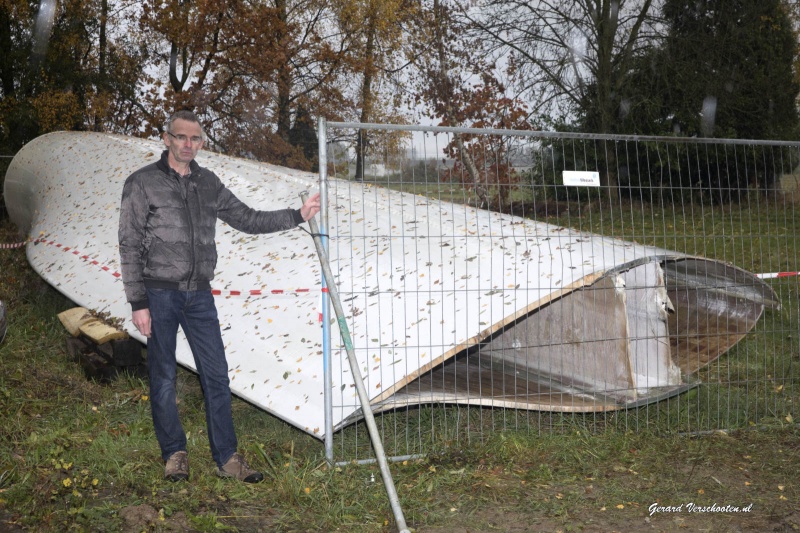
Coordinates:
(196, 139)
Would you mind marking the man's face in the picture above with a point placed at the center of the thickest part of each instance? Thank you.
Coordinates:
(184, 141)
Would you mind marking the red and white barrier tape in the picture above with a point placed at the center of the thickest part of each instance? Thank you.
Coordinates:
(215, 292)
(76, 252)
(11, 246)
(257, 292)
(778, 275)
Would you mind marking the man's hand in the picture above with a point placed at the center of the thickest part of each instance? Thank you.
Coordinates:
(141, 319)
(311, 207)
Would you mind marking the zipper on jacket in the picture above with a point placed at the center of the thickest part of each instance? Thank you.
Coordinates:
(191, 228)
(185, 196)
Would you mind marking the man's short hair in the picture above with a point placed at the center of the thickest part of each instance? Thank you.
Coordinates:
(183, 114)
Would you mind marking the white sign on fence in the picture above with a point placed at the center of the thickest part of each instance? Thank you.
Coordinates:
(577, 178)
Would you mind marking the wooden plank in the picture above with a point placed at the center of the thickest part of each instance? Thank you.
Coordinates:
(122, 352)
(74, 318)
(101, 333)
(74, 347)
(97, 368)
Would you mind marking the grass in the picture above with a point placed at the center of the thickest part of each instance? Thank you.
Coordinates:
(79, 456)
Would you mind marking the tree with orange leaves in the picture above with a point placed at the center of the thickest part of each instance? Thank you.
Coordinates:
(459, 89)
(483, 161)
(245, 68)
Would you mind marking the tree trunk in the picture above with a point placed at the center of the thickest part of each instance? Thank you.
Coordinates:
(174, 80)
(366, 102)
(446, 88)
(102, 47)
(6, 61)
(284, 77)
(606, 25)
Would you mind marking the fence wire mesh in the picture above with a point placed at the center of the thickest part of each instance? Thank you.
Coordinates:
(485, 295)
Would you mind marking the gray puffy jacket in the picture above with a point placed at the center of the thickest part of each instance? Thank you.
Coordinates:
(167, 225)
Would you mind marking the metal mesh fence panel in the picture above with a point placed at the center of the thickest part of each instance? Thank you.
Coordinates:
(656, 292)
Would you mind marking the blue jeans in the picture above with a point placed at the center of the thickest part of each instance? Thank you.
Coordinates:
(196, 314)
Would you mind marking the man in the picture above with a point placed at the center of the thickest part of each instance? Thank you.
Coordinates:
(167, 224)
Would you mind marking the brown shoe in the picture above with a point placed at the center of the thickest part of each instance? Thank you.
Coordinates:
(177, 468)
(237, 467)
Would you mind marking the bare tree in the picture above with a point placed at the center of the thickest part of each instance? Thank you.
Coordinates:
(456, 85)
(441, 58)
(571, 56)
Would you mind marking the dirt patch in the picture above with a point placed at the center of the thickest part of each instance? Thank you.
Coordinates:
(8, 522)
(139, 518)
(736, 483)
(589, 520)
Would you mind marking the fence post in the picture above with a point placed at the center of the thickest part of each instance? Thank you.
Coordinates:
(363, 396)
(327, 373)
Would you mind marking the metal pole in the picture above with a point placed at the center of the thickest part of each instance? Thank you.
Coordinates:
(327, 373)
(375, 437)
(561, 134)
